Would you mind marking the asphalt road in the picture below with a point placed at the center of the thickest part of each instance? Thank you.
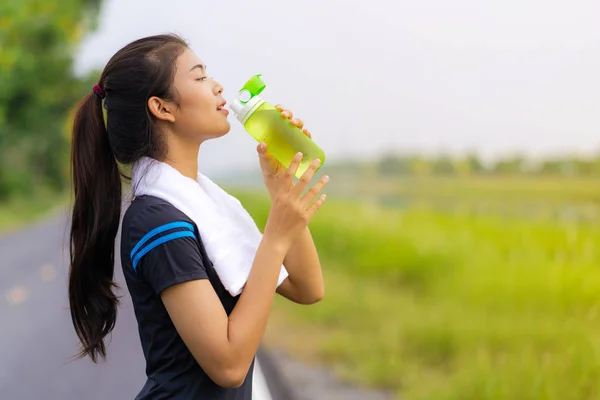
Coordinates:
(37, 341)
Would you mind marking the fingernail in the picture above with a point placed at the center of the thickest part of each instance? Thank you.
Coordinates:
(324, 197)
(299, 155)
(325, 178)
(317, 162)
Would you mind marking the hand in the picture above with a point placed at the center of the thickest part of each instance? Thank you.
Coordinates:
(291, 211)
(273, 170)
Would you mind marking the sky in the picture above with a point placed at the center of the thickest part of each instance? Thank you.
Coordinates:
(379, 76)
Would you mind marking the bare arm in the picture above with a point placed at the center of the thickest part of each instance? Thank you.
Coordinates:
(225, 346)
(304, 284)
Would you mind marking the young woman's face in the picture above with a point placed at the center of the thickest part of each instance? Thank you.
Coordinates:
(200, 115)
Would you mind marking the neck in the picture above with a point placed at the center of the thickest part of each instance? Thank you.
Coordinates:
(184, 158)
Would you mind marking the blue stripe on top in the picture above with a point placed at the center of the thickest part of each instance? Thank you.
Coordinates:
(158, 242)
(138, 252)
(160, 229)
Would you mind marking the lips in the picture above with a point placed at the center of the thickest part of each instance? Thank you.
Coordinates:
(221, 109)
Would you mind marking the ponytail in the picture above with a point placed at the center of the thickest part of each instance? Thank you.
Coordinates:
(140, 70)
(94, 225)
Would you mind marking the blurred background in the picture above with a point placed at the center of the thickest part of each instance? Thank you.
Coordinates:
(460, 238)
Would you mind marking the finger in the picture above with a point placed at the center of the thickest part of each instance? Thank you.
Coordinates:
(314, 191)
(291, 171)
(306, 177)
(262, 148)
(264, 159)
(307, 133)
(315, 207)
(297, 122)
(287, 114)
(279, 107)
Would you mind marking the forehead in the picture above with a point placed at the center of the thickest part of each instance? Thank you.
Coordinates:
(187, 61)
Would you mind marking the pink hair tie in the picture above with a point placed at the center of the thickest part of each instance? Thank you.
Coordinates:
(99, 91)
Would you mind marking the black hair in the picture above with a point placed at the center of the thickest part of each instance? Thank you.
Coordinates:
(140, 70)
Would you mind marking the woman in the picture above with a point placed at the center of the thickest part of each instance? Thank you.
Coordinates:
(199, 341)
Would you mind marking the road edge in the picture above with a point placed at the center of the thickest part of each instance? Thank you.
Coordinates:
(278, 384)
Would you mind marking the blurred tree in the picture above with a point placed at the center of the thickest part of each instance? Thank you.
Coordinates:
(595, 165)
(573, 166)
(38, 40)
(462, 166)
(443, 165)
(554, 166)
(474, 162)
(510, 165)
(420, 166)
(394, 165)
(583, 166)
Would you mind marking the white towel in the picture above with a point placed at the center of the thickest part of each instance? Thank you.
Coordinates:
(229, 233)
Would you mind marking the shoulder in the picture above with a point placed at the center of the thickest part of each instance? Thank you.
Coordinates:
(151, 219)
(150, 212)
(161, 243)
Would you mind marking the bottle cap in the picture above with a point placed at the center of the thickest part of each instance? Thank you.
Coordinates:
(247, 100)
(255, 86)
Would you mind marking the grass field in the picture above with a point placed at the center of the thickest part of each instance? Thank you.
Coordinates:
(452, 304)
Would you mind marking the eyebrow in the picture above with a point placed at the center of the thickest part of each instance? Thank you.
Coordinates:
(200, 66)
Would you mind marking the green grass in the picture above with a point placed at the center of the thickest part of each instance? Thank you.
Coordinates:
(20, 211)
(518, 187)
(453, 305)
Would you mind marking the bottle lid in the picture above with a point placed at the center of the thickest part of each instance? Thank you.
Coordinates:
(255, 85)
(248, 101)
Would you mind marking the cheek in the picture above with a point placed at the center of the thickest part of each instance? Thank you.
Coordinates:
(199, 109)
(202, 101)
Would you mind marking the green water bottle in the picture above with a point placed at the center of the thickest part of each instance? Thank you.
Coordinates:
(265, 123)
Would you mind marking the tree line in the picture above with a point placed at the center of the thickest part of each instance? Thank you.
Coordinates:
(38, 89)
(472, 164)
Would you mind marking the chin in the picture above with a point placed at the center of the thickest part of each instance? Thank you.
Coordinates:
(218, 131)
(224, 129)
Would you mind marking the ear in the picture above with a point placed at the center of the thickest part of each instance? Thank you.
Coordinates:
(161, 109)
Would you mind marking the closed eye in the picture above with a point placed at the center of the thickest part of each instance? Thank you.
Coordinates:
(202, 78)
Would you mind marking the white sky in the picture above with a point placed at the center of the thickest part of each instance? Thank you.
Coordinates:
(372, 76)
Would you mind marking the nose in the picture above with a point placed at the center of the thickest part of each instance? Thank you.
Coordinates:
(218, 88)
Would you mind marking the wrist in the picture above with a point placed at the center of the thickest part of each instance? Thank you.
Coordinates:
(271, 192)
(276, 244)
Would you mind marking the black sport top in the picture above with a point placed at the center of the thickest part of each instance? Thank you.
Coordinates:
(161, 247)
